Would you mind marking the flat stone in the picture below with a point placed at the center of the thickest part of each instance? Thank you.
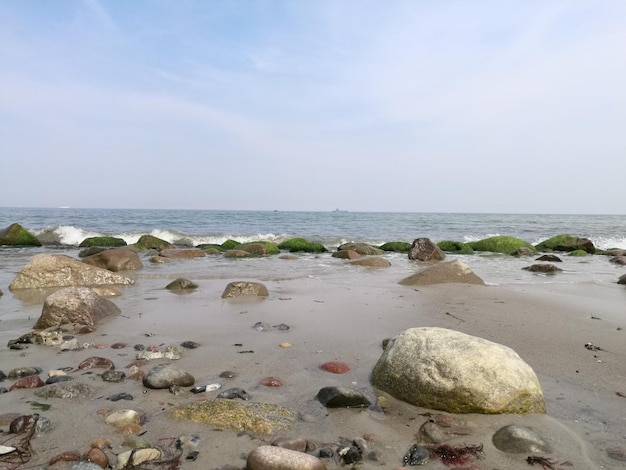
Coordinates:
(277, 458)
(518, 440)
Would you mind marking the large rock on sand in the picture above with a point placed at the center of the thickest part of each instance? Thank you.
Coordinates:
(447, 370)
(441, 273)
(116, 259)
(244, 289)
(79, 305)
(63, 271)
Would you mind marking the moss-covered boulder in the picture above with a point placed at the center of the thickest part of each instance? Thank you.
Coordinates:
(458, 248)
(229, 244)
(397, 247)
(301, 244)
(150, 242)
(500, 244)
(16, 235)
(362, 249)
(102, 241)
(578, 253)
(261, 248)
(210, 247)
(261, 419)
(565, 242)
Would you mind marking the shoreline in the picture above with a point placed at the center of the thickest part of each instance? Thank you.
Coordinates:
(344, 316)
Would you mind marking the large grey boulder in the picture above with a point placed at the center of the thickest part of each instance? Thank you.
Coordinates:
(441, 273)
(116, 259)
(63, 271)
(79, 305)
(423, 249)
(447, 370)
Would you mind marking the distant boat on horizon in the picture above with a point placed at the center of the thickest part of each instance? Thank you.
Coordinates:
(64, 207)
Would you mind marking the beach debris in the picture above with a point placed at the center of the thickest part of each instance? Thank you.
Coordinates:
(450, 455)
(591, 347)
(4, 450)
(120, 396)
(68, 456)
(620, 394)
(349, 454)
(617, 453)
(261, 326)
(35, 405)
(135, 457)
(17, 449)
(335, 367)
(416, 455)
(546, 463)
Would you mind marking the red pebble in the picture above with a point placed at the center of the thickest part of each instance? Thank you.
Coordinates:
(335, 367)
(32, 381)
(272, 382)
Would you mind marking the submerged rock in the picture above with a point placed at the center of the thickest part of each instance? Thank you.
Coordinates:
(341, 397)
(518, 439)
(181, 284)
(447, 370)
(257, 418)
(242, 288)
(116, 259)
(441, 273)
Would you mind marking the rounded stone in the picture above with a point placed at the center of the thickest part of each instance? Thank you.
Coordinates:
(518, 439)
(277, 458)
(122, 418)
(166, 375)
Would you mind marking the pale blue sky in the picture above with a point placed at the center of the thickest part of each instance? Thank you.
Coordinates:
(416, 105)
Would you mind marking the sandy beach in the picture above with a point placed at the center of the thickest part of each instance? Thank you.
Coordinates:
(342, 316)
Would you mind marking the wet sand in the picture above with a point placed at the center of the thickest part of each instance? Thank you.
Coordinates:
(345, 317)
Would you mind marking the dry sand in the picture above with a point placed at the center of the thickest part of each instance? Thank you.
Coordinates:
(340, 317)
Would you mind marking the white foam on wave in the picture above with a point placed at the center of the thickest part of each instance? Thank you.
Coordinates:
(66, 234)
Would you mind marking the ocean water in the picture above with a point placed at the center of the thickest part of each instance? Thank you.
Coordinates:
(65, 228)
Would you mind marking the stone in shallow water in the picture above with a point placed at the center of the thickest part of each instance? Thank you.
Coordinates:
(341, 397)
(257, 418)
(166, 375)
(518, 439)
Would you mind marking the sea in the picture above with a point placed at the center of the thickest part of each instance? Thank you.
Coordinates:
(65, 228)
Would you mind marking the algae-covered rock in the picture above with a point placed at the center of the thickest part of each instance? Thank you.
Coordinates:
(500, 244)
(16, 235)
(362, 248)
(239, 416)
(301, 244)
(455, 247)
(150, 242)
(261, 248)
(229, 244)
(578, 253)
(102, 241)
(565, 242)
(398, 247)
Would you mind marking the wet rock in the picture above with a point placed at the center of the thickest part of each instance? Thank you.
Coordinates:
(349, 454)
(120, 396)
(272, 382)
(233, 393)
(362, 249)
(2, 376)
(75, 305)
(86, 466)
(293, 443)
(118, 345)
(97, 456)
(416, 455)
(114, 376)
(72, 390)
(346, 254)
(166, 375)
(257, 418)
(190, 344)
(549, 258)
(16, 235)
(617, 453)
(139, 456)
(122, 418)
(116, 259)
(423, 249)
(20, 372)
(170, 352)
(31, 381)
(518, 439)
(228, 374)
(160, 260)
(335, 367)
(545, 268)
(43, 425)
(179, 253)
(95, 362)
(341, 397)
(181, 284)
(441, 273)
(58, 378)
(241, 288)
(46, 270)
(371, 262)
(277, 458)
(447, 370)
(261, 326)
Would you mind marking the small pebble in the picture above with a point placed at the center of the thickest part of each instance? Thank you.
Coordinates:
(120, 396)
(272, 382)
(285, 345)
(118, 345)
(190, 344)
(228, 374)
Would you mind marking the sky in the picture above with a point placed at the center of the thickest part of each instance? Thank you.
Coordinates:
(361, 105)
